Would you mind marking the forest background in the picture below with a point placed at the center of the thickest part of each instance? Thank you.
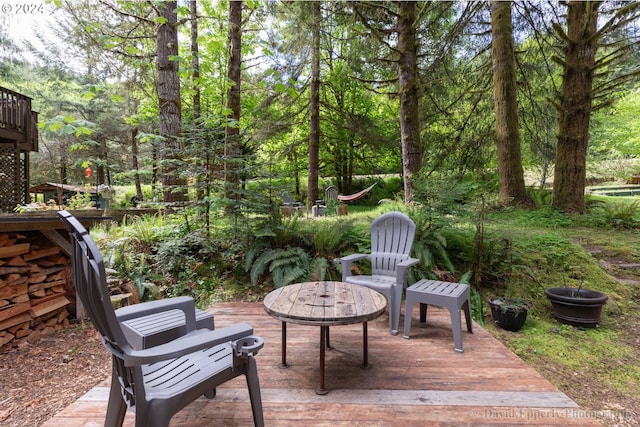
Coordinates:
(485, 121)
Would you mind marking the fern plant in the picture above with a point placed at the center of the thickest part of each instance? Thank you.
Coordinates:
(618, 215)
(430, 247)
(286, 266)
(328, 239)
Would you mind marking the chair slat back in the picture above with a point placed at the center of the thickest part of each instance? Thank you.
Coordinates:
(331, 193)
(90, 281)
(392, 237)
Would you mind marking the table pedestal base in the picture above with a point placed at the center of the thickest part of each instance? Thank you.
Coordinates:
(365, 348)
(324, 335)
(324, 344)
(283, 364)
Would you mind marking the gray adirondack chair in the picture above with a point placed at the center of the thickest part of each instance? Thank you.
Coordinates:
(331, 193)
(159, 381)
(288, 202)
(392, 237)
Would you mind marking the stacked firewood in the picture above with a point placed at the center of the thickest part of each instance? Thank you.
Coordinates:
(35, 288)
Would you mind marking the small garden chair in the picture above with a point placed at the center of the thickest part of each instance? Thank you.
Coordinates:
(392, 237)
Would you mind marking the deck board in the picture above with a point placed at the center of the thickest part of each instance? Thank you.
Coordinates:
(416, 382)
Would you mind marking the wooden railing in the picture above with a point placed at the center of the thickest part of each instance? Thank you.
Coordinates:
(15, 110)
(16, 116)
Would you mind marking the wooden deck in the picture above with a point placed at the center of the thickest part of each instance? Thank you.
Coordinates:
(416, 382)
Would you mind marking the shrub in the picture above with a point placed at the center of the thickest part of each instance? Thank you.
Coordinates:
(615, 214)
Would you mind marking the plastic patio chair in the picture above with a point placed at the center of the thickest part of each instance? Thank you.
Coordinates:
(392, 237)
(330, 193)
(159, 381)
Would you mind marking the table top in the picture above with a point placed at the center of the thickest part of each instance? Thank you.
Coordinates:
(324, 303)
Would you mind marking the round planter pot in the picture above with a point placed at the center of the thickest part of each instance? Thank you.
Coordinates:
(510, 318)
(576, 307)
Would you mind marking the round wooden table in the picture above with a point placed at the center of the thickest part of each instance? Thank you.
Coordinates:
(324, 304)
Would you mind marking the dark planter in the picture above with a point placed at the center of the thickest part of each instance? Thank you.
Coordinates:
(576, 306)
(508, 313)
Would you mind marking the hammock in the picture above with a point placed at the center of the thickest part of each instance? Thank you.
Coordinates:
(357, 195)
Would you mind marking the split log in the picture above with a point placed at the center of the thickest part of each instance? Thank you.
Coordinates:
(9, 292)
(20, 298)
(20, 318)
(48, 306)
(14, 270)
(13, 250)
(16, 261)
(45, 285)
(14, 309)
(35, 280)
(41, 253)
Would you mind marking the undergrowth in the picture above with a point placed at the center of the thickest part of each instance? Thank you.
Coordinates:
(503, 251)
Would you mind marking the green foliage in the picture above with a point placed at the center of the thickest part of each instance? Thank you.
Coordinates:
(68, 125)
(497, 261)
(477, 306)
(330, 237)
(289, 252)
(540, 196)
(616, 131)
(181, 253)
(145, 229)
(504, 303)
(273, 247)
(80, 201)
(328, 240)
(321, 269)
(545, 217)
(554, 252)
(443, 195)
(430, 247)
(440, 203)
(286, 266)
(131, 250)
(616, 214)
(125, 257)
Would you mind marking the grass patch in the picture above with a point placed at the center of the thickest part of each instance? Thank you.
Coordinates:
(596, 366)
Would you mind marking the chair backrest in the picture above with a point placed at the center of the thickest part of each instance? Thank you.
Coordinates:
(392, 237)
(287, 199)
(331, 193)
(90, 281)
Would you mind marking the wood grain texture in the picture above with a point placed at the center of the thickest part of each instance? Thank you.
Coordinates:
(324, 303)
(416, 382)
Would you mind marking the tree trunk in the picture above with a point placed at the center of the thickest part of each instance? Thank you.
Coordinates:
(195, 59)
(510, 171)
(232, 130)
(101, 160)
(201, 175)
(576, 100)
(314, 108)
(173, 187)
(134, 162)
(408, 95)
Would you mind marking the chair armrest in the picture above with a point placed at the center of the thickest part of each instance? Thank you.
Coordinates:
(186, 304)
(185, 345)
(408, 262)
(401, 269)
(346, 262)
(351, 258)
